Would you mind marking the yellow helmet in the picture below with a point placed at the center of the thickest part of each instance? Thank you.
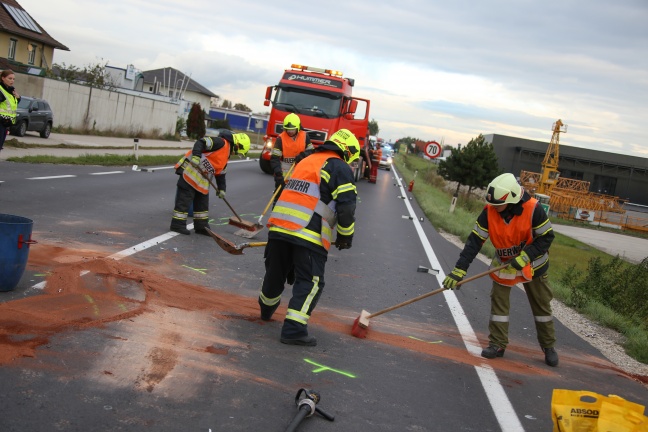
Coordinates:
(291, 121)
(504, 189)
(243, 142)
(348, 143)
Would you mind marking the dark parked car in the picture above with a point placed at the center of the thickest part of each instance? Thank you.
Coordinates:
(33, 115)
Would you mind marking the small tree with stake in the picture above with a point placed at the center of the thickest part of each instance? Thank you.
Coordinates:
(196, 122)
(474, 165)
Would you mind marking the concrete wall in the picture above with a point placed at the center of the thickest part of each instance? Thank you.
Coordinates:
(79, 106)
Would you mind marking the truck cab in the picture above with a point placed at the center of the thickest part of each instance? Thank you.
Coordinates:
(322, 98)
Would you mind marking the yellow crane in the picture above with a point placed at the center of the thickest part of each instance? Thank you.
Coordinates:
(549, 174)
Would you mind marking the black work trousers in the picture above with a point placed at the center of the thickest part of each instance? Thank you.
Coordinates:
(280, 258)
(185, 196)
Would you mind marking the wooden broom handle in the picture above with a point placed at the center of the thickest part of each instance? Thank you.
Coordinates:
(422, 296)
(274, 195)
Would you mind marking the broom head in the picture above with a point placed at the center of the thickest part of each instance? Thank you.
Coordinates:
(361, 325)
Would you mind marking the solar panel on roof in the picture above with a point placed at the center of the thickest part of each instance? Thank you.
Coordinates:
(22, 18)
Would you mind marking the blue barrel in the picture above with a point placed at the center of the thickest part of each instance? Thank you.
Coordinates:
(15, 238)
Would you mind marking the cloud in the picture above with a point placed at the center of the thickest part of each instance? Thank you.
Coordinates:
(432, 69)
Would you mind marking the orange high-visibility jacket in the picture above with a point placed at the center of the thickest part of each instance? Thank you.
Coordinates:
(290, 148)
(509, 240)
(300, 200)
(211, 163)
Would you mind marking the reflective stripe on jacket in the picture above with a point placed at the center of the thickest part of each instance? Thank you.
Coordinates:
(300, 200)
(212, 163)
(509, 240)
(9, 107)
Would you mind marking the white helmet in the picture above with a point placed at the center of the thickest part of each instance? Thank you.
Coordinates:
(504, 189)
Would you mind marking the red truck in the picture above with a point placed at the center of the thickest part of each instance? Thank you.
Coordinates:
(322, 99)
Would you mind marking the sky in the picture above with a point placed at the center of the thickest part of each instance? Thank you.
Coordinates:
(444, 71)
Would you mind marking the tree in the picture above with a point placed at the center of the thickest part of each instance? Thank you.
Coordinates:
(474, 165)
(93, 75)
(196, 122)
(373, 128)
(242, 107)
(409, 143)
(226, 104)
(181, 124)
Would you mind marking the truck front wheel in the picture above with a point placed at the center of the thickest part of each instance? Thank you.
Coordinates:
(265, 166)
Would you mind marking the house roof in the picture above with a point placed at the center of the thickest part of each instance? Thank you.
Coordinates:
(9, 25)
(162, 75)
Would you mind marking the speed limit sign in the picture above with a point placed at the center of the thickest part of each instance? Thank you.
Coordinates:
(433, 149)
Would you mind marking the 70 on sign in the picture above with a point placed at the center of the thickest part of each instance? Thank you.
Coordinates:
(433, 149)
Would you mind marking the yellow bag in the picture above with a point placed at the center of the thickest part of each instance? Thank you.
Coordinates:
(584, 411)
(620, 418)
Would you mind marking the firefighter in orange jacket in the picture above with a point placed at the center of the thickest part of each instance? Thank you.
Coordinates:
(319, 197)
(376, 155)
(522, 234)
(210, 154)
(292, 145)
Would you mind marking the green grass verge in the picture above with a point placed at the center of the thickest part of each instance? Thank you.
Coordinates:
(569, 257)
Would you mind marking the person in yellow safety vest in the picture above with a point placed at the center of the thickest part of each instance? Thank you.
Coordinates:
(319, 197)
(292, 145)
(521, 232)
(210, 154)
(9, 99)
(376, 155)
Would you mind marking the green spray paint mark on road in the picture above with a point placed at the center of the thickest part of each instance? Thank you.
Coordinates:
(94, 305)
(322, 368)
(412, 337)
(198, 270)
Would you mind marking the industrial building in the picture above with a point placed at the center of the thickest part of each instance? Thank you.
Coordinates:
(608, 173)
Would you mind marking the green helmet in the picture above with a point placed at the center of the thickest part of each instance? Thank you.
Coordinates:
(243, 142)
(291, 121)
(348, 143)
(504, 189)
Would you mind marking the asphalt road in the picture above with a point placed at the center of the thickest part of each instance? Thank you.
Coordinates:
(169, 339)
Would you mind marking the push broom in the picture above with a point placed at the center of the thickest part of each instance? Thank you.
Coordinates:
(361, 324)
(236, 221)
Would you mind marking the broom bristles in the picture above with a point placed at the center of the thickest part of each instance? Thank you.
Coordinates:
(357, 330)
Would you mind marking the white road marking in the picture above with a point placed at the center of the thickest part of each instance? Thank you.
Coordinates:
(500, 403)
(51, 177)
(107, 172)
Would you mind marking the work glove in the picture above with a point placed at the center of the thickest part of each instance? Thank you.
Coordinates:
(520, 261)
(450, 282)
(279, 180)
(195, 160)
(220, 194)
(343, 242)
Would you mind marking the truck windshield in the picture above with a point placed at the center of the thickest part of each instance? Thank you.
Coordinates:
(311, 103)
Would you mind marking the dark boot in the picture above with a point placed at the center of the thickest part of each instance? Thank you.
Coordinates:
(492, 351)
(551, 356)
(179, 229)
(202, 230)
(302, 341)
(267, 311)
(294, 333)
